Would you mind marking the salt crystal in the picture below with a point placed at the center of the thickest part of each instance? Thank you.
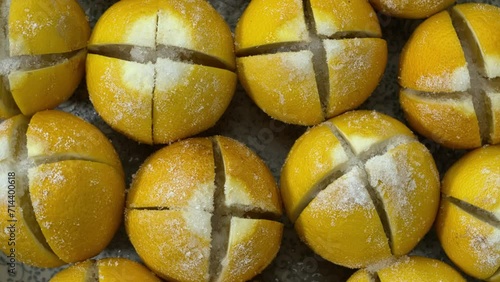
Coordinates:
(170, 74)
(138, 54)
(136, 78)
(298, 65)
(395, 179)
(458, 80)
(47, 224)
(486, 247)
(52, 174)
(349, 193)
(383, 169)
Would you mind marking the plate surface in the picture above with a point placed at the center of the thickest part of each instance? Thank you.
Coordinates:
(268, 138)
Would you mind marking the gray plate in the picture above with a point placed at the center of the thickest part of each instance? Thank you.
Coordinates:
(268, 138)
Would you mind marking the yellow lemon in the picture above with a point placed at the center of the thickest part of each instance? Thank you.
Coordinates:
(414, 9)
(106, 270)
(409, 269)
(360, 188)
(42, 54)
(159, 71)
(62, 189)
(468, 223)
(204, 209)
(302, 64)
(449, 76)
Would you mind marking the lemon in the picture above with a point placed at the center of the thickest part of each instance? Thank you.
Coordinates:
(66, 193)
(204, 209)
(43, 54)
(410, 9)
(160, 71)
(409, 269)
(449, 71)
(468, 221)
(302, 64)
(360, 188)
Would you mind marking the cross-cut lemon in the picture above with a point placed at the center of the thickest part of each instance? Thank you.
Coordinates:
(303, 62)
(449, 75)
(43, 53)
(160, 71)
(62, 189)
(411, 268)
(204, 210)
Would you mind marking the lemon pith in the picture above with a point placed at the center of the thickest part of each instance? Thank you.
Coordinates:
(213, 207)
(295, 67)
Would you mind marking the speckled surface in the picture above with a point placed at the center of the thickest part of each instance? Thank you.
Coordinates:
(268, 138)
